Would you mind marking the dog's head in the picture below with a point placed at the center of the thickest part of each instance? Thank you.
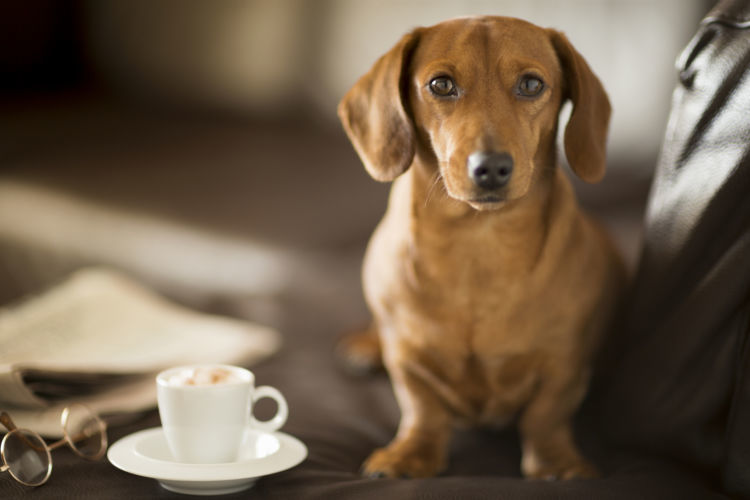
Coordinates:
(481, 96)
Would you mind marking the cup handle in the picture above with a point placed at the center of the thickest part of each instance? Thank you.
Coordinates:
(266, 391)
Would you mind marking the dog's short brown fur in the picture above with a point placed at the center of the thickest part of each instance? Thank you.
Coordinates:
(488, 302)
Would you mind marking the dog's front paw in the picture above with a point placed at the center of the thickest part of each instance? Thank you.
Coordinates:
(552, 471)
(399, 461)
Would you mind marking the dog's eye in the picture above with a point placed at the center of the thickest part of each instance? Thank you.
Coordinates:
(443, 86)
(530, 86)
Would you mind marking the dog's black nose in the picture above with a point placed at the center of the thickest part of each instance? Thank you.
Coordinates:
(490, 170)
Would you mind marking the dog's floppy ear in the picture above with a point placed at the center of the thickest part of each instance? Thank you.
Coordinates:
(586, 132)
(375, 116)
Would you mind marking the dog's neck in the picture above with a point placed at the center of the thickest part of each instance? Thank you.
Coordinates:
(445, 226)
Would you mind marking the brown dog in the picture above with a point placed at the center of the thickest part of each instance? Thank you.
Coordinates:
(488, 286)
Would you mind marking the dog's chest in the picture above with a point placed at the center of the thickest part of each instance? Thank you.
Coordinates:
(479, 330)
(474, 279)
(482, 268)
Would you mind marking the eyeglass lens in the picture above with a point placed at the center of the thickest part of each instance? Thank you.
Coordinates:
(27, 457)
(85, 432)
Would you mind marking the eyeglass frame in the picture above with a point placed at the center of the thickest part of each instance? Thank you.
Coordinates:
(8, 423)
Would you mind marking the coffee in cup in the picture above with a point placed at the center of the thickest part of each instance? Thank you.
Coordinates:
(206, 411)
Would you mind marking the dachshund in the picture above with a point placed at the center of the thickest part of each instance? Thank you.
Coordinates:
(490, 289)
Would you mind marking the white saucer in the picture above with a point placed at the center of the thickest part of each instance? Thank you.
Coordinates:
(145, 453)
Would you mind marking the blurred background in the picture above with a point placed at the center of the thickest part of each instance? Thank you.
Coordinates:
(194, 144)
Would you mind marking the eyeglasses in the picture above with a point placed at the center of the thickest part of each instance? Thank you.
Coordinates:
(27, 456)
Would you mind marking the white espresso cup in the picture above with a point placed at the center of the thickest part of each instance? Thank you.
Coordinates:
(206, 410)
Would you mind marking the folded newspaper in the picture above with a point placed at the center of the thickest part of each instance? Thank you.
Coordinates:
(99, 338)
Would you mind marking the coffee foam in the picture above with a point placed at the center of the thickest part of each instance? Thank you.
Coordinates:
(204, 376)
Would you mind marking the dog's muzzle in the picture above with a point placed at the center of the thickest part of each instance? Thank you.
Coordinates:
(490, 171)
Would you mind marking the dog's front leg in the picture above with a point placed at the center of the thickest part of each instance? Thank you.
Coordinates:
(549, 449)
(420, 446)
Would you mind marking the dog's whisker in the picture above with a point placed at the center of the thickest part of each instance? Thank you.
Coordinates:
(435, 181)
